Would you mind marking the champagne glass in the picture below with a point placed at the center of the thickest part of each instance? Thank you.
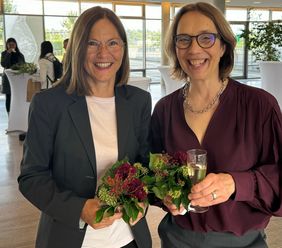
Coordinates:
(197, 168)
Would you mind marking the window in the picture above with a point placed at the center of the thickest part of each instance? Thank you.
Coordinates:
(33, 7)
(63, 8)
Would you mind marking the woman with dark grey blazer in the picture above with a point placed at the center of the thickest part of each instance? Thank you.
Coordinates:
(77, 130)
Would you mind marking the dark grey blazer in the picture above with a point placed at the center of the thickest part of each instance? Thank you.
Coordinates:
(58, 170)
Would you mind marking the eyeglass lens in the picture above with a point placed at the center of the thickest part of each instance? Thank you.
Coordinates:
(111, 45)
(205, 40)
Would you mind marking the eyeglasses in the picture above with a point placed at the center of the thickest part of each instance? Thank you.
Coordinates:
(205, 40)
(112, 45)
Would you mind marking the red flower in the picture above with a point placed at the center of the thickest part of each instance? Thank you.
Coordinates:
(125, 170)
(180, 157)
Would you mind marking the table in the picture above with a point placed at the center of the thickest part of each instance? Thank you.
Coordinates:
(140, 82)
(18, 116)
(170, 83)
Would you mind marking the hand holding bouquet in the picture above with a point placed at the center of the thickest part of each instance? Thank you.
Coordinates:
(122, 189)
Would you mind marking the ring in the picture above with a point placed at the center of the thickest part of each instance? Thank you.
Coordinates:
(214, 196)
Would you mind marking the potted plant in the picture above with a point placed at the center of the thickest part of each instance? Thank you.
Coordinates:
(264, 41)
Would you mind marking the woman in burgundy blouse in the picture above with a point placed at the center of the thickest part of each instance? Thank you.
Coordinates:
(239, 126)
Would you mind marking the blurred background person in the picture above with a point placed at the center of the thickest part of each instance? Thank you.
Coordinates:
(46, 67)
(77, 130)
(239, 126)
(9, 57)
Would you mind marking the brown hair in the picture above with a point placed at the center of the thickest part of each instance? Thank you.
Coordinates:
(75, 75)
(226, 62)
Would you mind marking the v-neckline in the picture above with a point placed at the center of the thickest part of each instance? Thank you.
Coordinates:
(212, 119)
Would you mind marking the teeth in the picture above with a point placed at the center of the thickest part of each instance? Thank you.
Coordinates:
(103, 65)
(197, 61)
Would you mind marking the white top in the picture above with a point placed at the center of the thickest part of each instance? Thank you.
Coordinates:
(102, 114)
(46, 68)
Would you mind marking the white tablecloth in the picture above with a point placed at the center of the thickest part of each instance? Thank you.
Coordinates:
(19, 106)
(140, 82)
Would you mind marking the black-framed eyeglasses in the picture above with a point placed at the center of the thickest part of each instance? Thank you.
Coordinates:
(111, 45)
(204, 40)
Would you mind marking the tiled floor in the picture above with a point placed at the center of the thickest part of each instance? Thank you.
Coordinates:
(18, 218)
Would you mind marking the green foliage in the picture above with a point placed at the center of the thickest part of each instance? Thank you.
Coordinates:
(9, 7)
(168, 176)
(29, 68)
(264, 39)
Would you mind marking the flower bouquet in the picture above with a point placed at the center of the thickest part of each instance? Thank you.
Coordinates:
(169, 176)
(122, 189)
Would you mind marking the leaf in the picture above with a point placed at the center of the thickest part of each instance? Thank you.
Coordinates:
(177, 202)
(159, 192)
(104, 211)
(125, 217)
(148, 180)
(184, 198)
(131, 210)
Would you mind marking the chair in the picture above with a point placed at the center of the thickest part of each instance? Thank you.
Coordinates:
(140, 82)
(171, 84)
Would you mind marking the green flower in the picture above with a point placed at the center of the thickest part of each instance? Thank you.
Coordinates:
(174, 193)
(105, 196)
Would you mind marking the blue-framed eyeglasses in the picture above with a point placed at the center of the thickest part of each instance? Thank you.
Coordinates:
(204, 40)
(112, 45)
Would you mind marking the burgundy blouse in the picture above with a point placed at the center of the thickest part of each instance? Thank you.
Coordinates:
(244, 139)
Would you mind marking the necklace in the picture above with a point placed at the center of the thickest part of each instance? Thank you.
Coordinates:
(187, 105)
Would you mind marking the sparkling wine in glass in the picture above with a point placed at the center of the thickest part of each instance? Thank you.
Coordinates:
(197, 168)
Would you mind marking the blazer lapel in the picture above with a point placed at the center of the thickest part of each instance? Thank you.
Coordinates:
(123, 111)
(79, 115)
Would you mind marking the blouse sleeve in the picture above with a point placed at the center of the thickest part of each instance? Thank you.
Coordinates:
(262, 187)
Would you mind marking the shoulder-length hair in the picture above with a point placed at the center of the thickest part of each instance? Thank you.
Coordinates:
(226, 62)
(46, 47)
(75, 75)
(9, 40)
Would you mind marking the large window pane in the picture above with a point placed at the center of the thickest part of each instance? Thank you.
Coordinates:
(129, 10)
(153, 43)
(236, 14)
(277, 15)
(87, 5)
(153, 12)
(64, 8)
(135, 36)
(23, 7)
(238, 69)
(28, 32)
(56, 30)
(259, 15)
